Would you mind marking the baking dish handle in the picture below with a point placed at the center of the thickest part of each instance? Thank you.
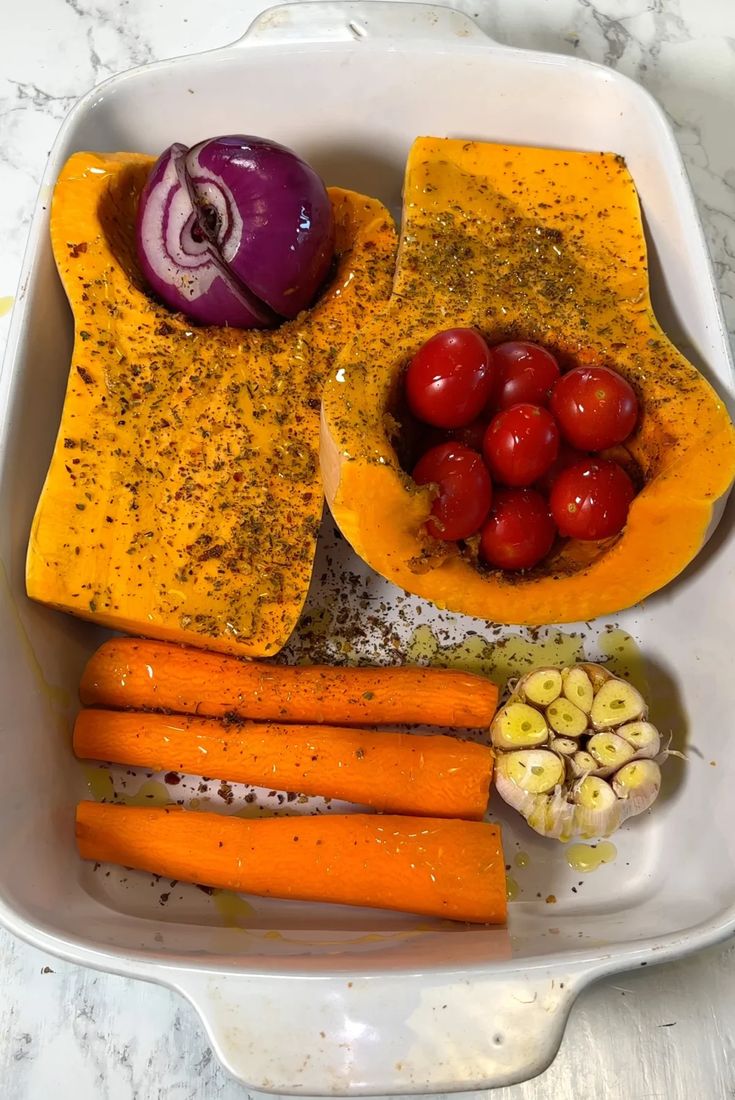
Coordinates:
(353, 20)
(395, 1033)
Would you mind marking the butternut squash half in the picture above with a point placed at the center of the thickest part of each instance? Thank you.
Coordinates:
(543, 245)
(183, 498)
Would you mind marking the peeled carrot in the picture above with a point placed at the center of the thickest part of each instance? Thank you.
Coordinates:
(138, 673)
(438, 868)
(394, 772)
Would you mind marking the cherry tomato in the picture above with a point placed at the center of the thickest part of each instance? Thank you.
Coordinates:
(526, 373)
(566, 456)
(465, 490)
(520, 444)
(471, 435)
(595, 407)
(590, 500)
(448, 381)
(519, 531)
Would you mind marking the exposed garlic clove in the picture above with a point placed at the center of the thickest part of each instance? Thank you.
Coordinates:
(578, 689)
(541, 687)
(553, 758)
(643, 736)
(518, 726)
(583, 764)
(567, 746)
(598, 674)
(535, 771)
(566, 718)
(616, 703)
(638, 782)
(594, 793)
(609, 750)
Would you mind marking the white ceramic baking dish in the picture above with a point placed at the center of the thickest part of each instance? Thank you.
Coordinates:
(307, 998)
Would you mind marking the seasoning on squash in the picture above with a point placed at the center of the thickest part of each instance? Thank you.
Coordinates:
(183, 498)
(541, 245)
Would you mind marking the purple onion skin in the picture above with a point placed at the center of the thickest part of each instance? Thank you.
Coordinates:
(186, 273)
(287, 240)
(235, 231)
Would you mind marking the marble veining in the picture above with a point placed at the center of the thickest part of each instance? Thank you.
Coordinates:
(73, 1033)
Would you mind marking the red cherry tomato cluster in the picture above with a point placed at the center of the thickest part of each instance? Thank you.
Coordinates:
(509, 449)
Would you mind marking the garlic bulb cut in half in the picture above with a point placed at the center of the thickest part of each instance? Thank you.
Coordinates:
(576, 754)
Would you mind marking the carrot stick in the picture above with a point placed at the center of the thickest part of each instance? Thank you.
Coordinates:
(394, 772)
(138, 673)
(439, 868)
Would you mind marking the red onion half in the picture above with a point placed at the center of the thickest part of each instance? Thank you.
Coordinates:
(235, 231)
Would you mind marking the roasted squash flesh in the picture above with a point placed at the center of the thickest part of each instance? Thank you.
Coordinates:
(542, 245)
(183, 497)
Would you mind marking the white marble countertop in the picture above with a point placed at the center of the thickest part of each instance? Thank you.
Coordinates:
(72, 1033)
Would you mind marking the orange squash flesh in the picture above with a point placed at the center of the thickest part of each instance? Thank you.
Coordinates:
(183, 497)
(543, 245)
